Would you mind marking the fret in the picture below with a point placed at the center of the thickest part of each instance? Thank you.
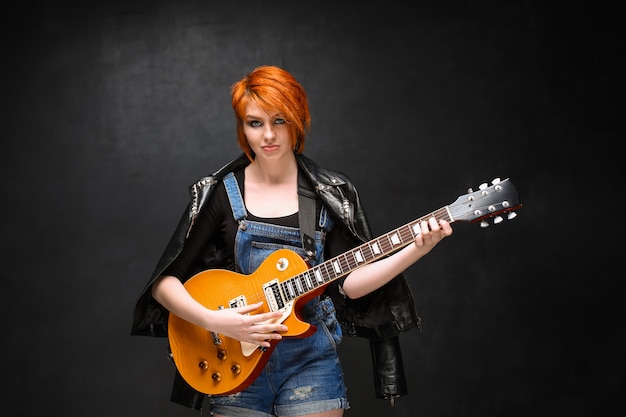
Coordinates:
(375, 248)
(309, 283)
(358, 256)
(351, 263)
(299, 288)
(321, 272)
(367, 252)
(328, 272)
(410, 233)
(318, 275)
(342, 265)
(347, 263)
(385, 243)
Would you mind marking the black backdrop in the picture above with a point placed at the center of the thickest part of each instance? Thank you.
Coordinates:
(111, 109)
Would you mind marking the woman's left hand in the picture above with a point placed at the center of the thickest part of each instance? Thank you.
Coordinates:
(432, 232)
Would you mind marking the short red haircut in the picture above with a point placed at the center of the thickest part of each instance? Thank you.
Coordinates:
(275, 91)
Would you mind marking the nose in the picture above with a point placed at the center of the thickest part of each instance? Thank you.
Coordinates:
(268, 133)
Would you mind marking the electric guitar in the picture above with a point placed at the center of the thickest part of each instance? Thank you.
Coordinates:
(217, 365)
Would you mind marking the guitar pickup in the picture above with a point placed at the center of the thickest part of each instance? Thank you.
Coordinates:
(273, 296)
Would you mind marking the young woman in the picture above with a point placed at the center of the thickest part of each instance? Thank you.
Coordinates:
(249, 208)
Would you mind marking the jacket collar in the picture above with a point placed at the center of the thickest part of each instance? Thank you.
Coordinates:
(320, 177)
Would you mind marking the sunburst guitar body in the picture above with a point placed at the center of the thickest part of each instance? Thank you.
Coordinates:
(220, 365)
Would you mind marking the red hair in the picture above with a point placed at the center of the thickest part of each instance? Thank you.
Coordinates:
(275, 91)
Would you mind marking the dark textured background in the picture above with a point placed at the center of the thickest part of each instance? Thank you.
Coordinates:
(111, 109)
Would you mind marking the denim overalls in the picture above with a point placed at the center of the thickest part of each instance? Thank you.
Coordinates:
(303, 375)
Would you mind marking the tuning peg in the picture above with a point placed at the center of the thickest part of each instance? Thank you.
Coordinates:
(483, 186)
(470, 190)
(497, 219)
(512, 215)
(484, 224)
(495, 181)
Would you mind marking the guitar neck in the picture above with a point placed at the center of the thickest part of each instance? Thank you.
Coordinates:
(341, 265)
(487, 201)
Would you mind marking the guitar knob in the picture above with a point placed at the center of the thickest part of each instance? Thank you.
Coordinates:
(221, 354)
(204, 365)
(497, 219)
(217, 377)
(484, 224)
(235, 369)
(512, 215)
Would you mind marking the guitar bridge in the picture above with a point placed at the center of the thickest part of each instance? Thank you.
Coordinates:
(237, 302)
(217, 340)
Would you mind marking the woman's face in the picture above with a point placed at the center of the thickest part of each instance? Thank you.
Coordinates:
(267, 134)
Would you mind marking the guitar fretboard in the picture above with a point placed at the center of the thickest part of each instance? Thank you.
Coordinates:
(347, 262)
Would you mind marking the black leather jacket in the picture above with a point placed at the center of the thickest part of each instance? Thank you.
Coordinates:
(380, 316)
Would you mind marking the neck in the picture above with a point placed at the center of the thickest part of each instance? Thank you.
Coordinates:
(273, 171)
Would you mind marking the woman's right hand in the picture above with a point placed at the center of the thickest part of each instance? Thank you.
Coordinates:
(239, 323)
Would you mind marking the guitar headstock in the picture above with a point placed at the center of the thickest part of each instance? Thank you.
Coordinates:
(489, 201)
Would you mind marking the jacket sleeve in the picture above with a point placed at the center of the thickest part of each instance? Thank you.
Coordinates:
(150, 317)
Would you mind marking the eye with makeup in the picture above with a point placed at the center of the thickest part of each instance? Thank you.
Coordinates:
(258, 123)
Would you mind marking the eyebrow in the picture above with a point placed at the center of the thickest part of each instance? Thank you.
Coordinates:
(275, 116)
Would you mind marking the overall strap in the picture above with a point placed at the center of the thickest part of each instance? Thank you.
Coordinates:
(234, 196)
(306, 215)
